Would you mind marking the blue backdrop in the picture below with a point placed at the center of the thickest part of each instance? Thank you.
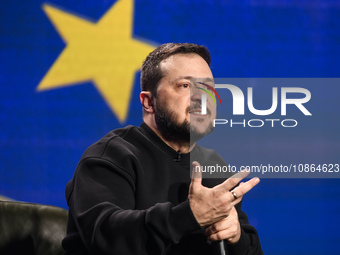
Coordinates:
(65, 64)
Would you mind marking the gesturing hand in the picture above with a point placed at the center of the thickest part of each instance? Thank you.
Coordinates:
(226, 229)
(210, 205)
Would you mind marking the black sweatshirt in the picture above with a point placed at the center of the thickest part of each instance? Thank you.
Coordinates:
(129, 196)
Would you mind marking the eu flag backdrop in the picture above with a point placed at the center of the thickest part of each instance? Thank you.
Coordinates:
(69, 73)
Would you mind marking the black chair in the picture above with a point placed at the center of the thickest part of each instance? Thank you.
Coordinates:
(27, 228)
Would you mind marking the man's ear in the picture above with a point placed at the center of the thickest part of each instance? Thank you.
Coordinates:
(146, 101)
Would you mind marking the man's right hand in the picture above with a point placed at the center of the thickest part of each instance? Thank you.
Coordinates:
(210, 205)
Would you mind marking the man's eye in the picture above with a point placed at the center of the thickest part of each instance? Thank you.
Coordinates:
(186, 85)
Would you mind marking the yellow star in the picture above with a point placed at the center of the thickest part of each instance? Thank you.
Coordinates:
(103, 52)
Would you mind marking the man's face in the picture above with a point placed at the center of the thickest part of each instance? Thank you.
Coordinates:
(178, 100)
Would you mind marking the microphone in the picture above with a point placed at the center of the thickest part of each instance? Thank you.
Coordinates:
(179, 156)
(218, 248)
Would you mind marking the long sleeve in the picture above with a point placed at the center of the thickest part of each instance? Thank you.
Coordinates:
(129, 196)
(102, 204)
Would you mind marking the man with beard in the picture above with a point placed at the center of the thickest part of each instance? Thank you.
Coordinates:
(132, 193)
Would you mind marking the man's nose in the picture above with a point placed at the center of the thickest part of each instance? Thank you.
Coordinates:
(196, 93)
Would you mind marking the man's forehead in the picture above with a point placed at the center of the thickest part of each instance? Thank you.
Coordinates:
(198, 70)
(172, 61)
(202, 79)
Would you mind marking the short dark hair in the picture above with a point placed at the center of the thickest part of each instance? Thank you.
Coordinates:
(151, 72)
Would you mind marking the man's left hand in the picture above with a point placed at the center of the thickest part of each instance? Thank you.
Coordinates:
(226, 229)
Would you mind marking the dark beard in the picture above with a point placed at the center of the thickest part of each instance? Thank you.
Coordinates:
(173, 131)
